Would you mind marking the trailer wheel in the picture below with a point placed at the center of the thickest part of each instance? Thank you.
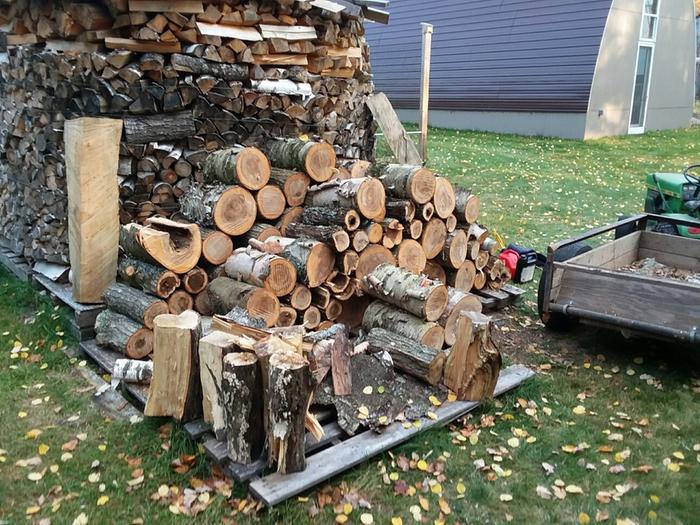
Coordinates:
(554, 320)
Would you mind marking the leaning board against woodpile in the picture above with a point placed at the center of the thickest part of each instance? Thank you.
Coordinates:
(200, 77)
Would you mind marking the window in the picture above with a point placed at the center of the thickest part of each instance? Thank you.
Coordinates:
(650, 19)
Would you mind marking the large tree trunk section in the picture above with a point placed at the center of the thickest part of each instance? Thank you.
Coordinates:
(134, 304)
(225, 294)
(174, 245)
(365, 195)
(247, 167)
(458, 301)
(410, 255)
(150, 278)
(408, 355)
(483, 362)
(262, 269)
(289, 216)
(371, 257)
(232, 209)
(118, 332)
(382, 315)
(313, 260)
(195, 281)
(463, 278)
(444, 198)
(294, 184)
(324, 216)
(175, 388)
(216, 246)
(467, 206)
(340, 364)
(180, 301)
(243, 407)
(433, 237)
(271, 202)
(416, 294)
(316, 159)
(261, 231)
(290, 390)
(408, 182)
(288, 316)
(300, 298)
(132, 371)
(435, 271)
(212, 349)
(331, 235)
(454, 252)
(403, 210)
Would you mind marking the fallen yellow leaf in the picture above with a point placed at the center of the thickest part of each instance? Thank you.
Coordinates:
(102, 500)
(436, 489)
(33, 433)
(673, 467)
(579, 410)
(32, 510)
(461, 489)
(422, 465)
(396, 521)
(43, 449)
(347, 509)
(584, 518)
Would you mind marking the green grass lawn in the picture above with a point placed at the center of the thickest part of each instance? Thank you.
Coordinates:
(608, 430)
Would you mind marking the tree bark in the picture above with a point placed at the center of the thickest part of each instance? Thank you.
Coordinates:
(294, 184)
(199, 66)
(150, 278)
(409, 356)
(122, 334)
(232, 209)
(364, 195)
(467, 206)
(212, 349)
(243, 407)
(458, 301)
(134, 304)
(226, 294)
(142, 129)
(408, 182)
(248, 167)
(262, 269)
(416, 294)
(340, 364)
(332, 235)
(132, 371)
(316, 159)
(382, 315)
(347, 218)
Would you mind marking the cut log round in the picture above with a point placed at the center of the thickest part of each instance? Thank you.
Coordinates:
(312, 318)
(444, 198)
(202, 304)
(195, 281)
(300, 298)
(382, 315)
(271, 202)
(408, 355)
(241, 390)
(148, 277)
(433, 237)
(478, 233)
(403, 210)
(463, 278)
(174, 245)
(371, 257)
(490, 246)
(247, 167)
(415, 229)
(360, 241)
(473, 249)
(332, 235)
(451, 223)
(408, 182)
(480, 280)
(323, 216)
(260, 303)
(262, 269)
(425, 211)
(467, 206)
(365, 195)
(333, 310)
(261, 231)
(288, 316)
(482, 258)
(118, 332)
(454, 252)
(232, 209)
(294, 184)
(180, 301)
(347, 261)
(134, 304)
(416, 294)
(410, 255)
(216, 246)
(435, 271)
(316, 159)
(459, 301)
(313, 260)
(374, 232)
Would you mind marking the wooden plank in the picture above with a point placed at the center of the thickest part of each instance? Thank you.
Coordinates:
(21, 40)
(345, 52)
(18, 268)
(162, 6)
(671, 250)
(275, 488)
(329, 6)
(343, 72)
(501, 298)
(92, 160)
(85, 314)
(198, 428)
(288, 32)
(515, 292)
(281, 60)
(142, 46)
(425, 88)
(612, 254)
(67, 46)
(247, 34)
(376, 15)
(399, 142)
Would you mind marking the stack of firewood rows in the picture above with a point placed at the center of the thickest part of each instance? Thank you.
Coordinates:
(187, 78)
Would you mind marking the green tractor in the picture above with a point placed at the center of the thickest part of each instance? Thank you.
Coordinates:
(677, 196)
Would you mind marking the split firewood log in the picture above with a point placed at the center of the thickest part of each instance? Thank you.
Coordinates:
(458, 301)
(262, 269)
(231, 209)
(175, 389)
(347, 218)
(148, 277)
(408, 355)
(383, 315)
(294, 184)
(225, 294)
(332, 235)
(365, 195)
(340, 363)
(416, 294)
(408, 182)
(248, 167)
(134, 304)
(313, 260)
(118, 332)
(174, 245)
(216, 246)
(316, 159)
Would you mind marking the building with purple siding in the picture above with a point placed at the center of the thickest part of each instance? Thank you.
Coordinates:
(567, 68)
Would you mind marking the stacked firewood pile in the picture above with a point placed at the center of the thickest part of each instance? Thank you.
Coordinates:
(187, 77)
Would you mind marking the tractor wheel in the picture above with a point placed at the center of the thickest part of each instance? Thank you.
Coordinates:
(554, 320)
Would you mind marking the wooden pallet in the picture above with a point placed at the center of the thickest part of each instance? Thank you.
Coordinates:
(492, 300)
(82, 325)
(16, 264)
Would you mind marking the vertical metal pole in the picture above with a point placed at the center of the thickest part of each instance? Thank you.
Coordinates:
(425, 89)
